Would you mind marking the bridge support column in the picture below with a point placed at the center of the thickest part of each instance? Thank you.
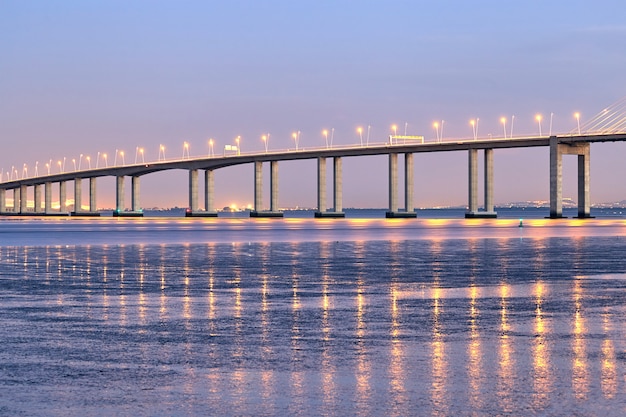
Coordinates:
(136, 206)
(322, 210)
(193, 190)
(274, 186)
(78, 196)
(23, 199)
(394, 212)
(473, 211)
(47, 205)
(209, 193)
(338, 187)
(63, 197)
(557, 150)
(37, 198)
(258, 191)
(584, 204)
(119, 196)
(16, 200)
(194, 210)
(92, 196)
(3, 201)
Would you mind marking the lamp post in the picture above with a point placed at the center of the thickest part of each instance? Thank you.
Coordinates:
(161, 152)
(294, 135)
(106, 160)
(185, 150)
(80, 161)
(550, 129)
(74, 162)
(538, 118)
(211, 153)
(436, 127)
(503, 121)
(122, 155)
(325, 133)
(512, 120)
(474, 124)
(367, 141)
(360, 132)
(332, 136)
(48, 168)
(395, 132)
(577, 116)
(36, 168)
(237, 140)
(88, 158)
(264, 137)
(60, 166)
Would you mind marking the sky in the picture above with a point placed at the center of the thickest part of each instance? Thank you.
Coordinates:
(82, 77)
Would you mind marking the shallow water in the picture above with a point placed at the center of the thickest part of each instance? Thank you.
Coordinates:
(304, 317)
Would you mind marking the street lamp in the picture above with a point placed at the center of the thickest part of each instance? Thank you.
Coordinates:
(88, 158)
(360, 132)
(294, 135)
(143, 161)
(106, 160)
(512, 120)
(211, 153)
(395, 132)
(332, 136)
(538, 118)
(551, 117)
(237, 140)
(185, 150)
(60, 166)
(325, 133)
(503, 121)
(577, 116)
(80, 160)
(367, 141)
(74, 162)
(122, 155)
(161, 152)
(265, 137)
(36, 168)
(48, 168)
(474, 124)
(436, 126)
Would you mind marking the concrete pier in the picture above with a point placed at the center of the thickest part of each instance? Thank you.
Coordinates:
(3, 201)
(322, 210)
(557, 150)
(135, 205)
(258, 191)
(37, 199)
(78, 196)
(394, 211)
(472, 207)
(47, 205)
(120, 207)
(209, 186)
(23, 199)
(63, 198)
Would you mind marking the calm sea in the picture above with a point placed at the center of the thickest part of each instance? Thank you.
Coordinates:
(297, 316)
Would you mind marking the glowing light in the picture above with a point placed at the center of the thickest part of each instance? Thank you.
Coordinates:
(538, 119)
(503, 121)
(577, 116)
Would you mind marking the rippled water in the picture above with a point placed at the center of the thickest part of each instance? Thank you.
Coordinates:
(341, 317)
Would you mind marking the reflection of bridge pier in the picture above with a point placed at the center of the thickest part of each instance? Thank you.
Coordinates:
(209, 190)
(337, 210)
(557, 150)
(393, 187)
(473, 211)
(258, 191)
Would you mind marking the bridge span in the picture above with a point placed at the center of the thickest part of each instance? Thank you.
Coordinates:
(558, 145)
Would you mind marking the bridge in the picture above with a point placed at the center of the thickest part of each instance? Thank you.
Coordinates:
(608, 126)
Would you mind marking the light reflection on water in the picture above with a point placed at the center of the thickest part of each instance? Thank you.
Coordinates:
(441, 326)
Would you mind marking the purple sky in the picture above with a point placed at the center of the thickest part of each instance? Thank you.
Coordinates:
(86, 77)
